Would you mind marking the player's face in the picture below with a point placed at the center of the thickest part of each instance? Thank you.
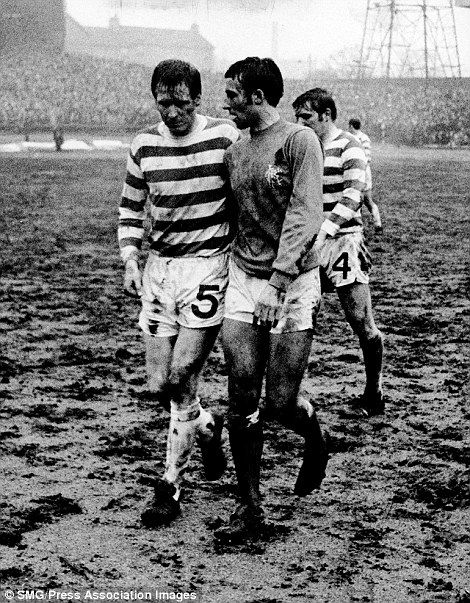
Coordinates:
(177, 108)
(238, 105)
(306, 116)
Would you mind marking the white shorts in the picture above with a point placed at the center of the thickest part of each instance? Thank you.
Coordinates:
(300, 306)
(186, 292)
(345, 259)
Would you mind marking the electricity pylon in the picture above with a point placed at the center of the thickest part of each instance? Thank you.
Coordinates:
(409, 38)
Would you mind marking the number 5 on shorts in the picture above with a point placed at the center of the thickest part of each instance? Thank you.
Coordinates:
(342, 265)
(204, 295)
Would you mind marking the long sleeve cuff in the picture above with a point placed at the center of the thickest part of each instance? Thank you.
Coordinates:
(330, 227)
(129, 253)
(281, 280)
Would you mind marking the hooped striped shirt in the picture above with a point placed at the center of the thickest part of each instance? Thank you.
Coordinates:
(365, 141)
(185, 182)
(343, 183)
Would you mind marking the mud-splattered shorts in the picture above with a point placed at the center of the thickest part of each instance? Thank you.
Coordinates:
(186, 292)
(345, 259)
(300, 306)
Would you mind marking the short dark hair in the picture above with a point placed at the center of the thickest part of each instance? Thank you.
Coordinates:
(254, 73)
(355, 123)
(320, 100)
(171, 73)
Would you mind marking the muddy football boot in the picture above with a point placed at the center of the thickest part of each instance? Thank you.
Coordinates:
(161, 508)
(313, 469)
(212, 452)
(370, 406)
(246, 523)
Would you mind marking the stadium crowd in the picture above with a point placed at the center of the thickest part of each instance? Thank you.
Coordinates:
(86, 93)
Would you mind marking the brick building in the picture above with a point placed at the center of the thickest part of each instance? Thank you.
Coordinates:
(143, 45)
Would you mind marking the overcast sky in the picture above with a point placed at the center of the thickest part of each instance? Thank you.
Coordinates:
(318, 28)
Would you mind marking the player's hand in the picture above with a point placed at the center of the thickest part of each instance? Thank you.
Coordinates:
(269, 307)
(320, 240)
(132, 279)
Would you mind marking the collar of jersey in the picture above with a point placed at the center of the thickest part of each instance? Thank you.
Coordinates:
(333, 134)
(199, 124)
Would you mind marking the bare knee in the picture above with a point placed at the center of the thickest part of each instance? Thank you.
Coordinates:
(182, 371)
(372, 338)
(356, 302)
(157, 383)
(281, 407)
(366, 330)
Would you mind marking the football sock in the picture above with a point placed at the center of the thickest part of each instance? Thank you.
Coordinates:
(372, 350)
(246, 443)
(180, 442)
(205, 424)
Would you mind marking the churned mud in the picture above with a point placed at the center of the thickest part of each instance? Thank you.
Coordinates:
(81, 441)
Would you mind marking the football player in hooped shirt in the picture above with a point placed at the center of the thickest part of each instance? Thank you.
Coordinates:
(340, 241)
(178, 168)
(276, 179)
(355, 129)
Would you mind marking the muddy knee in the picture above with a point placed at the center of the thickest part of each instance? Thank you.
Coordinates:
(371, 338)
(159, 391)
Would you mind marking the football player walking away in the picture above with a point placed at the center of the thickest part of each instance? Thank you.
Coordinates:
(340, 241)
(176, 169)
(274, 287)
(355, 129)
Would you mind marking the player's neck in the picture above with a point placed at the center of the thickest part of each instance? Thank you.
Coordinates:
(267, 116)
(330, 131)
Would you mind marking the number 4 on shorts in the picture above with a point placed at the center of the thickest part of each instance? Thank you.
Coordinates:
(342, 265)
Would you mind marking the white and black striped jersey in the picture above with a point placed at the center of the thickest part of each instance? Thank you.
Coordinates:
(185, 182)
(343, 183)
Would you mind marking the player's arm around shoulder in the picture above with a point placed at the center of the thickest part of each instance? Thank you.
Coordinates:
(224, 127)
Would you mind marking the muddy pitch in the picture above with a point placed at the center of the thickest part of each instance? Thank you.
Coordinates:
(81, 442)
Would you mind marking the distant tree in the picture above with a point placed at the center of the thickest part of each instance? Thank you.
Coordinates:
(342, 64)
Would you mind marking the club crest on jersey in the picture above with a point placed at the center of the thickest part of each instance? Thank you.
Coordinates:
(277, 174)
(274, 175)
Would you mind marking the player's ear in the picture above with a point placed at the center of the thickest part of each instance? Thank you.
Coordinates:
(327, 114)
(257, 97)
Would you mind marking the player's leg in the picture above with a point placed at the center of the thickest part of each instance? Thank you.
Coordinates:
(158, 322)
(189, 355)
(245, 351)
(174, 366)
(290, 344)
(188, 420)
(288, 358)
(158, 357)
(201, 286)
(159, 326)
(356, 302)
(347, 263)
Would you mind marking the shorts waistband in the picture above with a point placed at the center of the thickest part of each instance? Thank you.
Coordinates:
(156, 254)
